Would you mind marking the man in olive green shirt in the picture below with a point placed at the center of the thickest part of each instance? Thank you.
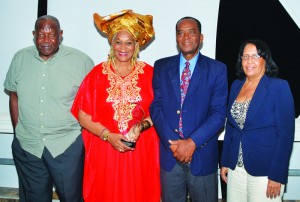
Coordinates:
(47, 148)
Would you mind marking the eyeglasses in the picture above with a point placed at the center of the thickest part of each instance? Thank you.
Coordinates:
(254, 57)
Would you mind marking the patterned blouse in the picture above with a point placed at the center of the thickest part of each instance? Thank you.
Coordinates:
(238, 113)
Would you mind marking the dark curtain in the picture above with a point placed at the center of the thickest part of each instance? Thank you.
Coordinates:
(268, 20)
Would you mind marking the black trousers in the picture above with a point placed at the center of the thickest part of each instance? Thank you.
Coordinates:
(38, 175)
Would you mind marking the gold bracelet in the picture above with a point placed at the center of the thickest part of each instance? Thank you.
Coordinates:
(102, 131)
(105, 135)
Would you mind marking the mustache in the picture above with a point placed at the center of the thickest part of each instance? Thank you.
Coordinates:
(45, 45)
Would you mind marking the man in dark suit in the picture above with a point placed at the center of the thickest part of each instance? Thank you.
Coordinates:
(188, 111)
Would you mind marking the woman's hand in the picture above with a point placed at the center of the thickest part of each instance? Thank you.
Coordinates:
(224, 172)
(134, 133)
(273, 189)
(115, 140)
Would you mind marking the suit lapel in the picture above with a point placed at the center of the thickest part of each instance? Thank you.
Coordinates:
(174, 77)
(196, 79)
(257, 99)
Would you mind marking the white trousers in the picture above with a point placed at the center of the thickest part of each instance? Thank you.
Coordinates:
(242, 187)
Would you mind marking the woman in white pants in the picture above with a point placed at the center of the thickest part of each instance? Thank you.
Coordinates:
(260, 128)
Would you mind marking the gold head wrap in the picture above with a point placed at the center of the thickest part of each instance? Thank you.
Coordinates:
(140, 26)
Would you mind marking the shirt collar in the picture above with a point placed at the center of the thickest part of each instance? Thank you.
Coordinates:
(192, 62)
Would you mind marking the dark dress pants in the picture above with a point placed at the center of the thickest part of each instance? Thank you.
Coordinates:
(37, 176)
(179, 182)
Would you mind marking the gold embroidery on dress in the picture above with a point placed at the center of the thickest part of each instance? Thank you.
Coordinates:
(123, 93)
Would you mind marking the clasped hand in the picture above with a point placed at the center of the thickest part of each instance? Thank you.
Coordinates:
(183, 150)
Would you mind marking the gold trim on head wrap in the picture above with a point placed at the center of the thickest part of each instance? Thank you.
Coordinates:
(140, 26)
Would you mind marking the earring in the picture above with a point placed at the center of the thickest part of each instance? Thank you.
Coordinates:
(135, 54)
(111, 53)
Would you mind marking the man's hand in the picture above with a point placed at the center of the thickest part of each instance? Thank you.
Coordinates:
(183, 150)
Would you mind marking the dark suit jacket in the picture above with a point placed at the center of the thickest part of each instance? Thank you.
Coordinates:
(203, 110)
(268, 133)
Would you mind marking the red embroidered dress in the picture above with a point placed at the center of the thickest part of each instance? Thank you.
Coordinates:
(110, 175)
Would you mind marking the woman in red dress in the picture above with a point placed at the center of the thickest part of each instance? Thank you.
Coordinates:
(112, 106)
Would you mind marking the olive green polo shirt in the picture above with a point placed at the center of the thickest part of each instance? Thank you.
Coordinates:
(46, 90)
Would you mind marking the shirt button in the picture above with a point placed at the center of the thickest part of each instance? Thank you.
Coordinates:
(42, 114)
(45, 62)
(44, 139)
(42, 100)
(178, 111)
(42, 126)
(176, 130)
(43, 88)
(44, 75)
